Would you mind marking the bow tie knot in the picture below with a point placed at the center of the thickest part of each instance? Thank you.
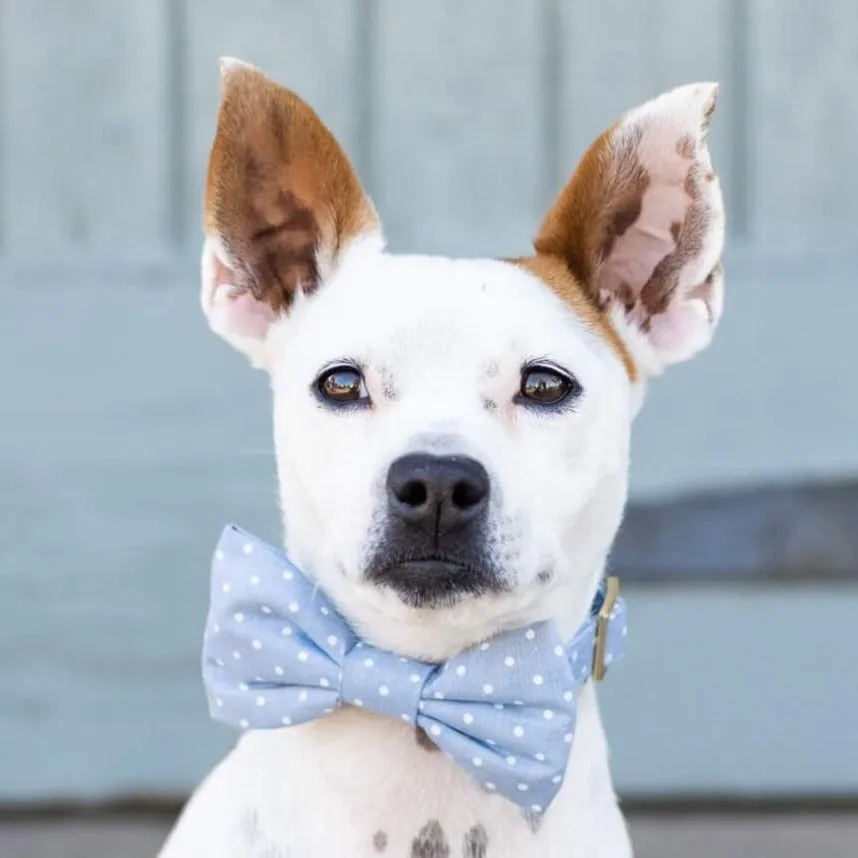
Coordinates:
(277, 653)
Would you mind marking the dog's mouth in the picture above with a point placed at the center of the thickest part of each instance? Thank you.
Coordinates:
(434, 581)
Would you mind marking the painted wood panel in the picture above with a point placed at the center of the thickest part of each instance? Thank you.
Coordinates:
(312, 48)
(804, 182)
(459, 135)
(85, 143)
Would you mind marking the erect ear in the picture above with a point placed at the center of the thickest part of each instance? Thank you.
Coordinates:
(282, 203)
(641, 227)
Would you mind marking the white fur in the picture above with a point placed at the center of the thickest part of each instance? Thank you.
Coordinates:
(437, 338)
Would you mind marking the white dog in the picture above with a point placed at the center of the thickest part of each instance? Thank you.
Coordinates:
(452, 445)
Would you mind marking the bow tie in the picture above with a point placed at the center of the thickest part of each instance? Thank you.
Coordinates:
(277, 653)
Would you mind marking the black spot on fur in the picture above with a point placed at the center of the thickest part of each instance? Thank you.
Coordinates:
(545, 576)
(379, 840)
(424, 741)
(476, 843)
(533, 820)
(431, 842)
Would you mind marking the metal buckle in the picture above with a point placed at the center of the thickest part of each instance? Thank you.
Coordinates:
(612, 592)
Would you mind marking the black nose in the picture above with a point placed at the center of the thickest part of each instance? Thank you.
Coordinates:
(437, 493)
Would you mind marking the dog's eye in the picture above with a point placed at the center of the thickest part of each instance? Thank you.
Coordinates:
(343, 384)
(544, 385)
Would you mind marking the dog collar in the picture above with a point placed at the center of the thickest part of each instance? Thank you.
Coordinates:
(277, 653)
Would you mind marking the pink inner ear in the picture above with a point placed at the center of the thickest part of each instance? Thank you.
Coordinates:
(232, 310)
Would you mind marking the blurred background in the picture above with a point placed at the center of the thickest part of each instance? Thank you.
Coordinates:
(129, 435)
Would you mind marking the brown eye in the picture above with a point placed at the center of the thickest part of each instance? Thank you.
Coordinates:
(343, 385)
(545, 386)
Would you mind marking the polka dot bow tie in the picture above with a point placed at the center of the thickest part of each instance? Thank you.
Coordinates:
(277, 653)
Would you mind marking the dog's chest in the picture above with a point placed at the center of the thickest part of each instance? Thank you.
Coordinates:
(370, 787)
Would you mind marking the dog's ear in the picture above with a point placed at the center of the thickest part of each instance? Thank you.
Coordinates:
(641, 227)
(282, 203)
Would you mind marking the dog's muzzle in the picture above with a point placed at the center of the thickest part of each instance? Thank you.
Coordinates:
(433, 550)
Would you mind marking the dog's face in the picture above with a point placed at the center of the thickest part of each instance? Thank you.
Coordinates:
(452, 435)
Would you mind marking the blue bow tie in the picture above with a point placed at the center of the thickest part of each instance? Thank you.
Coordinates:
(277, 653)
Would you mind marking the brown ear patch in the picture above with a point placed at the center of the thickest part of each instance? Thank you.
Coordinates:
(281, 196)
(552, 271)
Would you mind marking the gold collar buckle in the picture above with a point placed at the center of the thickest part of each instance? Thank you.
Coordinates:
(612, 592)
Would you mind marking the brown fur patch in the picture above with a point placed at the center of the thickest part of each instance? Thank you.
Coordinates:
(685, 147)
(431, 842)
(662, 284)
(554, 273)
(424, 741)
(279, 189)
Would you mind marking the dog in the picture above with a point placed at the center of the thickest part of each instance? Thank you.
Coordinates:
(452, 446)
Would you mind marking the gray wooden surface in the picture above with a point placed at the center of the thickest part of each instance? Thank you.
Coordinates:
(128, 435)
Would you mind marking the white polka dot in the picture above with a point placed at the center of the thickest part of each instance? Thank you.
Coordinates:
(247, 548)
(302, 696)
(260, 701)
(414, 677)
(568, 738)
(484, 646)
(285, 720)
(302, 656)
(358, 703)
(539, 757)
(244, 723)
(461, 670)
(536, 808)
(218, 555)
(509, 661)
(567, 696)
(556, 779)
(511, 761)
(421, 705)
(402, 659)
(518, 730)
(225, 587)
(625, 631)
(324, 682)
(218, 701)
(293, 607)
(574, 656)
(257, 644)
(324, 610)
(219, 662)
(609, 658)
(522, 787)
(236, 654)
(490, 743)
(239, 617)
(548, 714)
(558, 651)
(477, 762)
(278, 670)
(368, 662)
(530, 634)
(332, 640)
(265, 609)
(254, 580)
(538, 680)
(490, 786)
(435, 730)
(498, 706)
(488, 689)
(383, 690)
(216, 628)
(518, 702)
(287, 630)
(439, 695)
(287, 575)
(468, 718)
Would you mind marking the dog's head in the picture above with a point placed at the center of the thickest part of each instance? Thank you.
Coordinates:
(452, 435)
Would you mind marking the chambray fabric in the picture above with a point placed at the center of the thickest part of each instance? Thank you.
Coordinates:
(277, 653)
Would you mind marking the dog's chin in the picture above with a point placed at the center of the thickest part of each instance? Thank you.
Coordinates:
(434, 583)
